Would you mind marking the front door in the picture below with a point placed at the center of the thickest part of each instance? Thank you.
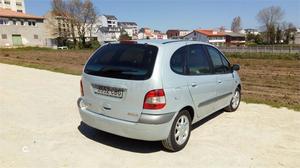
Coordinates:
(225, 80)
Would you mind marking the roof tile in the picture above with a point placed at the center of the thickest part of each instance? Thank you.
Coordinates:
(13, 14)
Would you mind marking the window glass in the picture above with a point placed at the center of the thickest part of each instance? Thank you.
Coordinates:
(216, 59)
(123, 61)
(225, 64)
(197, 61)
(178, 60)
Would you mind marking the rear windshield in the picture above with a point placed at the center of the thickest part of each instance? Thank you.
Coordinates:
(123, 61)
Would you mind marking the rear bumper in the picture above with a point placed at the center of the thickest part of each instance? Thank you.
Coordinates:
(135, 130)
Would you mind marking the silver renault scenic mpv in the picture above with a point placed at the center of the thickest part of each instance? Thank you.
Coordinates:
(154, 90)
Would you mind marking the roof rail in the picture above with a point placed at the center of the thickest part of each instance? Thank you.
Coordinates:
(167, 42)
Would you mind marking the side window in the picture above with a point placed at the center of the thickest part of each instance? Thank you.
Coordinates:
(197, 61)
(178, 60)
(226, 64)
(216, 59)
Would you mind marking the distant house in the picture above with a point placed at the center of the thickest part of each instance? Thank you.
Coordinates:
(297, 38)
(20, 29)
(131, 28)
(234, 39)
(147, 33)
(211, 36)
(108, 34)
(176, 33)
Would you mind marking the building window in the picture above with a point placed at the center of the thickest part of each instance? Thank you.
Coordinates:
(4, 36)
(22, 23)
(19, 3)
(14, 22)
(7, 2)
(36, 36)
(21, 11)
(3, 21)
(31, 23)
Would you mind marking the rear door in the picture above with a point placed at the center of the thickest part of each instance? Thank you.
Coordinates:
(116, 77)
(201, 81)
(225, 80)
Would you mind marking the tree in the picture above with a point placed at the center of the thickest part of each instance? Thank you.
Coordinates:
(257, 39)
(278, 35)
(269, 18)
(60, 13)
(80, 15)
(236, 24)
(124, 37)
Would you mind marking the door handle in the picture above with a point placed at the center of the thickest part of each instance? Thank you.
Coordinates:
(219, 81)
(194, 84)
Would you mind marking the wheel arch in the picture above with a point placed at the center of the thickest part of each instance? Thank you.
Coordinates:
(191, 111)
(239, 86)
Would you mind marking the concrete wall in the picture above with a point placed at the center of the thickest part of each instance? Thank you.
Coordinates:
(27, 33)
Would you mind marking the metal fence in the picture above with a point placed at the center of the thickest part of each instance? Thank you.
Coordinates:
(262, 49)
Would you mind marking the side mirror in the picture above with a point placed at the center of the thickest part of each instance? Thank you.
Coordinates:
(235, 67)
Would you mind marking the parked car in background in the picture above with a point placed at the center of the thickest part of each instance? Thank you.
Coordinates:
(156, 89)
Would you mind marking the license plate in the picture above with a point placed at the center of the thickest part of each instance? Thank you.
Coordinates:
(108, 91)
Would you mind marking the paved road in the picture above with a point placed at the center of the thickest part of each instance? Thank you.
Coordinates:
(40, 127)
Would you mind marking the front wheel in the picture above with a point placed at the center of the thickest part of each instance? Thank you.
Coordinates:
(180, 132)
(235, 101)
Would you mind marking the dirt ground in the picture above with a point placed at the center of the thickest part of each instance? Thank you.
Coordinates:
(40, 127)
(270, 81)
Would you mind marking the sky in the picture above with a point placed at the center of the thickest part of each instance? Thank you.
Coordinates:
(183, 14)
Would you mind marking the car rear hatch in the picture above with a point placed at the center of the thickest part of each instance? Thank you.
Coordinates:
(115, 79)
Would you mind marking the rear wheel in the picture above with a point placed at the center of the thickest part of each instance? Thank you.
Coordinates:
(235, 101)
(180, 132)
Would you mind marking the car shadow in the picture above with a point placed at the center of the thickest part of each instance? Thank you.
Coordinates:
(119, 142)
(128, 144)
(206, 119)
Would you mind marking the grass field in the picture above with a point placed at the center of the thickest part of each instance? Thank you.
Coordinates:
(266, 78)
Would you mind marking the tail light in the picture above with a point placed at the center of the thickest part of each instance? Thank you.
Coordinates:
(81, 88)
(155, 100)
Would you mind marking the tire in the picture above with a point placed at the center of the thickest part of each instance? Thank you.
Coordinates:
(182, 122)
(234, 104)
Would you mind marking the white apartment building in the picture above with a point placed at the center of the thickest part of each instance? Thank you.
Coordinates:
(14, 5)
(106, 29)
(107, 21)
